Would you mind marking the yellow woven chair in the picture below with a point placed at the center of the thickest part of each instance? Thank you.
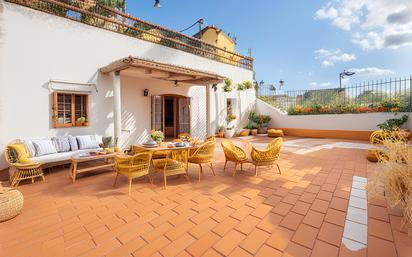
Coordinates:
(234, 154)
(184, 136)
(176, 163)
(267, 157)
(133, 167)
(21, 170)
(211, 138)
(203, 155)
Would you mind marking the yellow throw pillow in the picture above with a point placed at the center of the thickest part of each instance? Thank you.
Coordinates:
(22, 153)
(244, 133)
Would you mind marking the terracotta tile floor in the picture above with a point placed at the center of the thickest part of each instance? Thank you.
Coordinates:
(299, 213)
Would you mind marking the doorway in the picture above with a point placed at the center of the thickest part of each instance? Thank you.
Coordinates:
(171, 114)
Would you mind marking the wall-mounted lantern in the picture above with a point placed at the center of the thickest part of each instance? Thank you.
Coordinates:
(146, 92)
(214, 86)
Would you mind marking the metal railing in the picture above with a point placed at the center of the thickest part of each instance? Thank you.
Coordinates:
(101, 16)
(368, 94)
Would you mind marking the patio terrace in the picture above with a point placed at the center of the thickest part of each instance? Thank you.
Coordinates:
(299, 213)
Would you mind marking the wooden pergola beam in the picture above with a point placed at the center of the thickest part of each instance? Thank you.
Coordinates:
(163, 71)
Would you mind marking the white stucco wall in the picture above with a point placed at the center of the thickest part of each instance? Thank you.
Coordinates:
(136, 109)
(352, 122)
(36, 47)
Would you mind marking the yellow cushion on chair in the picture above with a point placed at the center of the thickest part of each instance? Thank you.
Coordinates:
(244, 133)
(275, 133)
(22, 153)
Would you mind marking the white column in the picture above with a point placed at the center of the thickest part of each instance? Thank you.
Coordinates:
(208, 120)
(117, 105)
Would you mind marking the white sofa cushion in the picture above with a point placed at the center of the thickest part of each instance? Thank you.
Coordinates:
(44, 147)
(99, 139)
(87, 142)
(73, 143)
(62, 144)
(59, 157)
(30, 147)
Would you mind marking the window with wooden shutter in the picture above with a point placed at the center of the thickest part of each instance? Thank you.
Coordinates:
(70, 110)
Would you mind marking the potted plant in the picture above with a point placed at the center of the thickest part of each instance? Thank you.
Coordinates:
(80, 121)
(253, 119)
(241, 87)
(157, 136)
(229, 132)
(116, 146)
(220, 131)
(86, 122)
(230, 128)
(228, 85)
(263, 123)
(248, 84)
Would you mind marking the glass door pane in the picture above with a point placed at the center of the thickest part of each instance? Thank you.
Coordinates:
(184, 115)
(157, 113)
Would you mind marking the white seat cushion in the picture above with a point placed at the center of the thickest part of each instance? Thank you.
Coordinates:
(59, 157)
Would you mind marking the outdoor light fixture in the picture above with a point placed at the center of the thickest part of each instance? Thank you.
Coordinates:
(343, 75)
(176, 83)
(146, 92)
(157, 4)
(214, 86)
(281, 83)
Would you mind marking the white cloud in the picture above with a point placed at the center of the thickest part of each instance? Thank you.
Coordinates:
(331, 57)
(375, 24)
(371, 71)
(316, 84)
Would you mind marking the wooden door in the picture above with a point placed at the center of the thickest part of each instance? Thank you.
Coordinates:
(183, 125)
(157, 113)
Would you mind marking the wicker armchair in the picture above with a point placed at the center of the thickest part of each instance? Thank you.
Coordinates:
(211, 138)
(133, 167)
(234, 154)
(21, 171)
(203, 155)
(176, 163)
(267, 157)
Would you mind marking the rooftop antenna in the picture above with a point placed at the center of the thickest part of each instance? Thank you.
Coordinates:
(249, 52)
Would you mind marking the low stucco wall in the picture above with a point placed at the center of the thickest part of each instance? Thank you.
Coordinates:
(347, 122)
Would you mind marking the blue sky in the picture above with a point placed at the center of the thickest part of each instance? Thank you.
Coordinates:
(304, 43)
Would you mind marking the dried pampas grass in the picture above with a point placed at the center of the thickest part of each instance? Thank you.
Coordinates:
(393, 179)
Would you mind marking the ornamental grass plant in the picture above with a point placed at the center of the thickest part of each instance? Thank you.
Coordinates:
(393, 180)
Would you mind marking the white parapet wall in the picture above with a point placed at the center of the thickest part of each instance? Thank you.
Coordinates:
(342, 122)
(36, 47)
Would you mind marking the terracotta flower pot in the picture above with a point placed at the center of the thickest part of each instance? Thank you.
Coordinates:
(220, 134)
(253, 132)
(262, 130)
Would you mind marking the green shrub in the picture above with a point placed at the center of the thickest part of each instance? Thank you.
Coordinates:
(392, 124)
